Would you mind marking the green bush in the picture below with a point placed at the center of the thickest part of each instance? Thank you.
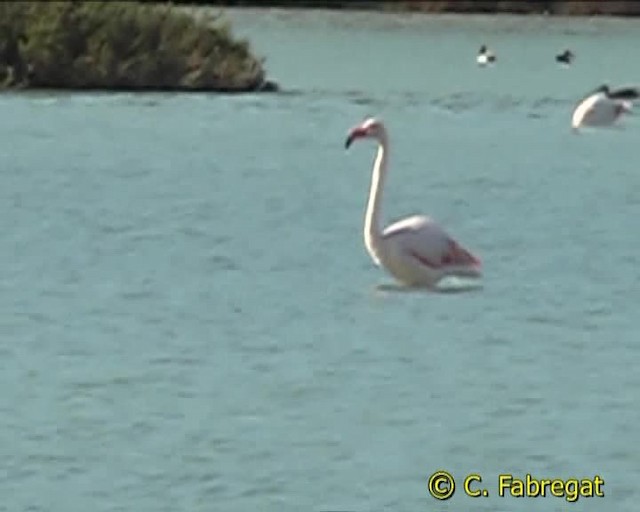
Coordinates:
(120, 45)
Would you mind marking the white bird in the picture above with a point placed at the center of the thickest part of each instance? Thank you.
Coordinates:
(416, 250)
(603, 106)
(485, 56)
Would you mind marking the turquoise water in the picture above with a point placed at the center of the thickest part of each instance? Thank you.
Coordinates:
(191, 322)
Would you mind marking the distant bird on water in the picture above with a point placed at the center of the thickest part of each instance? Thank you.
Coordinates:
(565, 57)
(604, 106)
(485, 56)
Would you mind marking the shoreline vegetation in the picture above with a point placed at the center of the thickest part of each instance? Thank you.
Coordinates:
(122, 46)
(551, 7)
(153, 46)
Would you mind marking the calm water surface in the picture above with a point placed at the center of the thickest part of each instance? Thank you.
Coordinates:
(191, 322)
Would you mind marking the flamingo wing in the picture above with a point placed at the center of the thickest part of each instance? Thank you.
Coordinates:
(423, 239)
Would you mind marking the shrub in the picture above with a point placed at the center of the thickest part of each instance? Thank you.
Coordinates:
(120, 45)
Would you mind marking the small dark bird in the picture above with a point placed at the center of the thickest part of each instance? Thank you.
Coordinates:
(485, 56)
(566, 57)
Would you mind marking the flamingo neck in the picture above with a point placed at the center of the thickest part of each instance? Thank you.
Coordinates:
(372, 230)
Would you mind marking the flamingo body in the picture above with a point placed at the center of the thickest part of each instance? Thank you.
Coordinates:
(416, 251)
(419, 252)
(603, 107)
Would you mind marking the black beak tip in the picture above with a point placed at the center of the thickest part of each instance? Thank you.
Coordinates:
(347, 143)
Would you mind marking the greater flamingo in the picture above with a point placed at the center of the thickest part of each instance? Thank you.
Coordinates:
(603, 106)
(416, 250)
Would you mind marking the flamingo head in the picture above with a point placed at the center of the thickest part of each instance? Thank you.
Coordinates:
(369, 128)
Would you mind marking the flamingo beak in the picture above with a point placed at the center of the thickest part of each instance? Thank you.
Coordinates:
(349, 141)
(354, 134)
